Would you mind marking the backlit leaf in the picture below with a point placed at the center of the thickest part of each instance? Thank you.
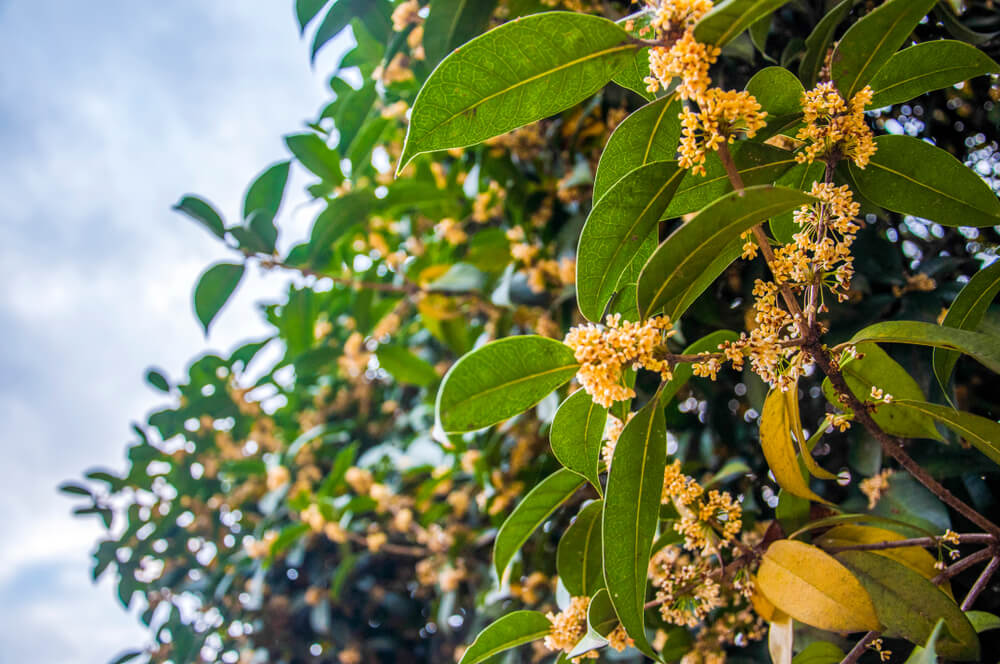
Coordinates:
(508, 632)
(451, 23)
(780, 636)
(819, 652)
(502, 379)
(404, 366)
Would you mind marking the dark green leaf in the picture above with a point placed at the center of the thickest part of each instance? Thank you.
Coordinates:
(966, 313)
(214, 288)
(313, 153)
(261, 225)
(958, 29)
(926, 67)
(625, 302)
(508, 632)
(267, 190)
(818, 42)
(531, 513)
(406, 367)
(74, 489)
(616, 228)
(910, 502)
(868, 44)
(731, 17)
(982, 347)
(502, 379)
(451, 23)
(576, 435)
(650, 134)
(337, 18)
(202, 212)
(157, 380)
(632, 508)
(678, 271)
(777, 90)
(511, 76)
(306, 10)
(908, 605)
(980, 432)
(127, 656)
(578, 558)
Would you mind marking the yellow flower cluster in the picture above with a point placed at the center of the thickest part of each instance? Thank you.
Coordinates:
(874, 487)
(685, 590)
(835, 128)
(721, 115)
(707, 522)
(687, 59)
(605, 353)
(451, 231)
(569, 626)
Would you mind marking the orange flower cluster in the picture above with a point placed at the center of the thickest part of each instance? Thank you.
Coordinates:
(835, 127)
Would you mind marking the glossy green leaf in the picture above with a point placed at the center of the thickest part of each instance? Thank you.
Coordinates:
(531, 513)
(757, 164)
(632, 76)
(983, 347)
(731, 17)
(877, 369)
(512, 76)
(267, 190)
(869, 44)
(800, 177)
(202, 211)
(683, 372)
(983, 621)
(647, 135)
(966, 313)
(632, 508)
(404, 366)
(908, 605)
(929, 66)
(577, 434)
(616, 228)
(982, 433)
(508, 632)
(818, 42)
(625, 292)
(578, 558)
(777, 90)
(819, 652)
(502, 379)
(313, 153)
(451, 23)
(911, 176)
(678, 271)
(215, 287)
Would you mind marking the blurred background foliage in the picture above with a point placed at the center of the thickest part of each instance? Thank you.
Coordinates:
(292, 502)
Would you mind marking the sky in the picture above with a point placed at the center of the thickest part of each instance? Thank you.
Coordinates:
(110, 110)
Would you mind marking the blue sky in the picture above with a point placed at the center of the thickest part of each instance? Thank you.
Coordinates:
(109, 111)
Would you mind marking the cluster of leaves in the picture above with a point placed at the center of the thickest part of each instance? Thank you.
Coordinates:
(324, 495)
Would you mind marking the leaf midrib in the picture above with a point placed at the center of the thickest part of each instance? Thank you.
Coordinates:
(490, 390)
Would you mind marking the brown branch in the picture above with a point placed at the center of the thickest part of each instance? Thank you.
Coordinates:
(972, 538)
(859, 649)
(962, 565)
(981, 583)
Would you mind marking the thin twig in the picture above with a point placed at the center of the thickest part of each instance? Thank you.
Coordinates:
(972, 538)
(859, 648)
(981, 583)
(962, 565)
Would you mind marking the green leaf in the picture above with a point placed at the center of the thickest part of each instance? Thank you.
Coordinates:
(313, 153)
(576, 435)
(625, 302)
(908, 501)
(508, 632)
(647, 135)
(929, 66)
(927, 653)
(983, 347)
(877, 369)
(677, 273)
(757, 164)
(869, 44)
(531, 513)
(341, 214)
(908, 605)
(731, 17)
(616, 228)
(983, 621)
(819, 652)
(214, 288)
(406, 367)
(980, 432)
(306, 10)
(818, 42)
(777, 90)
(512, 76)
(633, 75)
(337, 18)
(451, 23)
(74, 489)
(683, 372)
(578, 558)
(966, 313)
(632, 508)
(157, 380)
(601, 616)
(959, 30)
(128, 656)
(267, 190)
(910, 176)
(502, 379)
(800, 177)
(202, 212)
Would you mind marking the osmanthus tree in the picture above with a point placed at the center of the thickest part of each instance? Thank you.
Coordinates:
(620, 330)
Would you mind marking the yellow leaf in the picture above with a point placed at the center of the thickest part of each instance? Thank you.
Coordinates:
(914, 557)
(761, 604)
(779, 450)
(780, 638)
(811, 586)
(792, 407)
